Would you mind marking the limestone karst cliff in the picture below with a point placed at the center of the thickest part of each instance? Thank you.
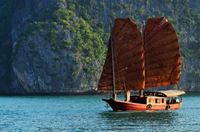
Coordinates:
(59, 46)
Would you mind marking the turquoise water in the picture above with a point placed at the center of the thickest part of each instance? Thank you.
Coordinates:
(89, 113)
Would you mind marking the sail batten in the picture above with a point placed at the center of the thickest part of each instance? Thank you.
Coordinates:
(142, 61)
(161, 40)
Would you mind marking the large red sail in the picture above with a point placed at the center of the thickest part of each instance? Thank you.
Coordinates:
(140, 63)
(128, 57)
(162, 55)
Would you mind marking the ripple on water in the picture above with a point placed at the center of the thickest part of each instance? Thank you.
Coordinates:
(88, 113)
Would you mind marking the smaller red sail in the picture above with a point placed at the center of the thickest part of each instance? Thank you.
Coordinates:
(162, 55)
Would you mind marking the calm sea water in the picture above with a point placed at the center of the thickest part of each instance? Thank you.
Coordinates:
(89, 113)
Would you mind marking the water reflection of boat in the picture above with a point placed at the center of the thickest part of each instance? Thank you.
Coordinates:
(153, 121)
(140, 116)
(141, 60)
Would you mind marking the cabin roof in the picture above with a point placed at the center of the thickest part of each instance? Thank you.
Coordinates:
(153, 97)
(171, 93)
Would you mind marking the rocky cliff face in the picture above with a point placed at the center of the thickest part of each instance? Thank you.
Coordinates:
(54, 50)
(59, 46)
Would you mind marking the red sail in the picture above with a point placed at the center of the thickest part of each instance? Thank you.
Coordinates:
(128, 56)
(162, 56)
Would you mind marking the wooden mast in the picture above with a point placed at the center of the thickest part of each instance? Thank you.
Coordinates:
(113, 70)
(141, 91)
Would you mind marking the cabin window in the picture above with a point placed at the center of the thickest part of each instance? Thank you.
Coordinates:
(163, 100)
(157, 100)
(149, 100)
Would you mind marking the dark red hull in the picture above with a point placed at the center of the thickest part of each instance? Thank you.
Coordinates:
(120, 105)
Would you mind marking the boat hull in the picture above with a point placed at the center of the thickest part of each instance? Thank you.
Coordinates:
(120, 105)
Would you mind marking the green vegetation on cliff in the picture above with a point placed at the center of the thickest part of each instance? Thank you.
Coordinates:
(65, 30)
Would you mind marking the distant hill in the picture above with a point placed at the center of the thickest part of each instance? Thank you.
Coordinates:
(59, 46)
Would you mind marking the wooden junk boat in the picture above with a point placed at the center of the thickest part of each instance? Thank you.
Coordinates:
(139, 60)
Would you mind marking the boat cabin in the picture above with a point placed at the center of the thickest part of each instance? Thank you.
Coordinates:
(160, 97)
